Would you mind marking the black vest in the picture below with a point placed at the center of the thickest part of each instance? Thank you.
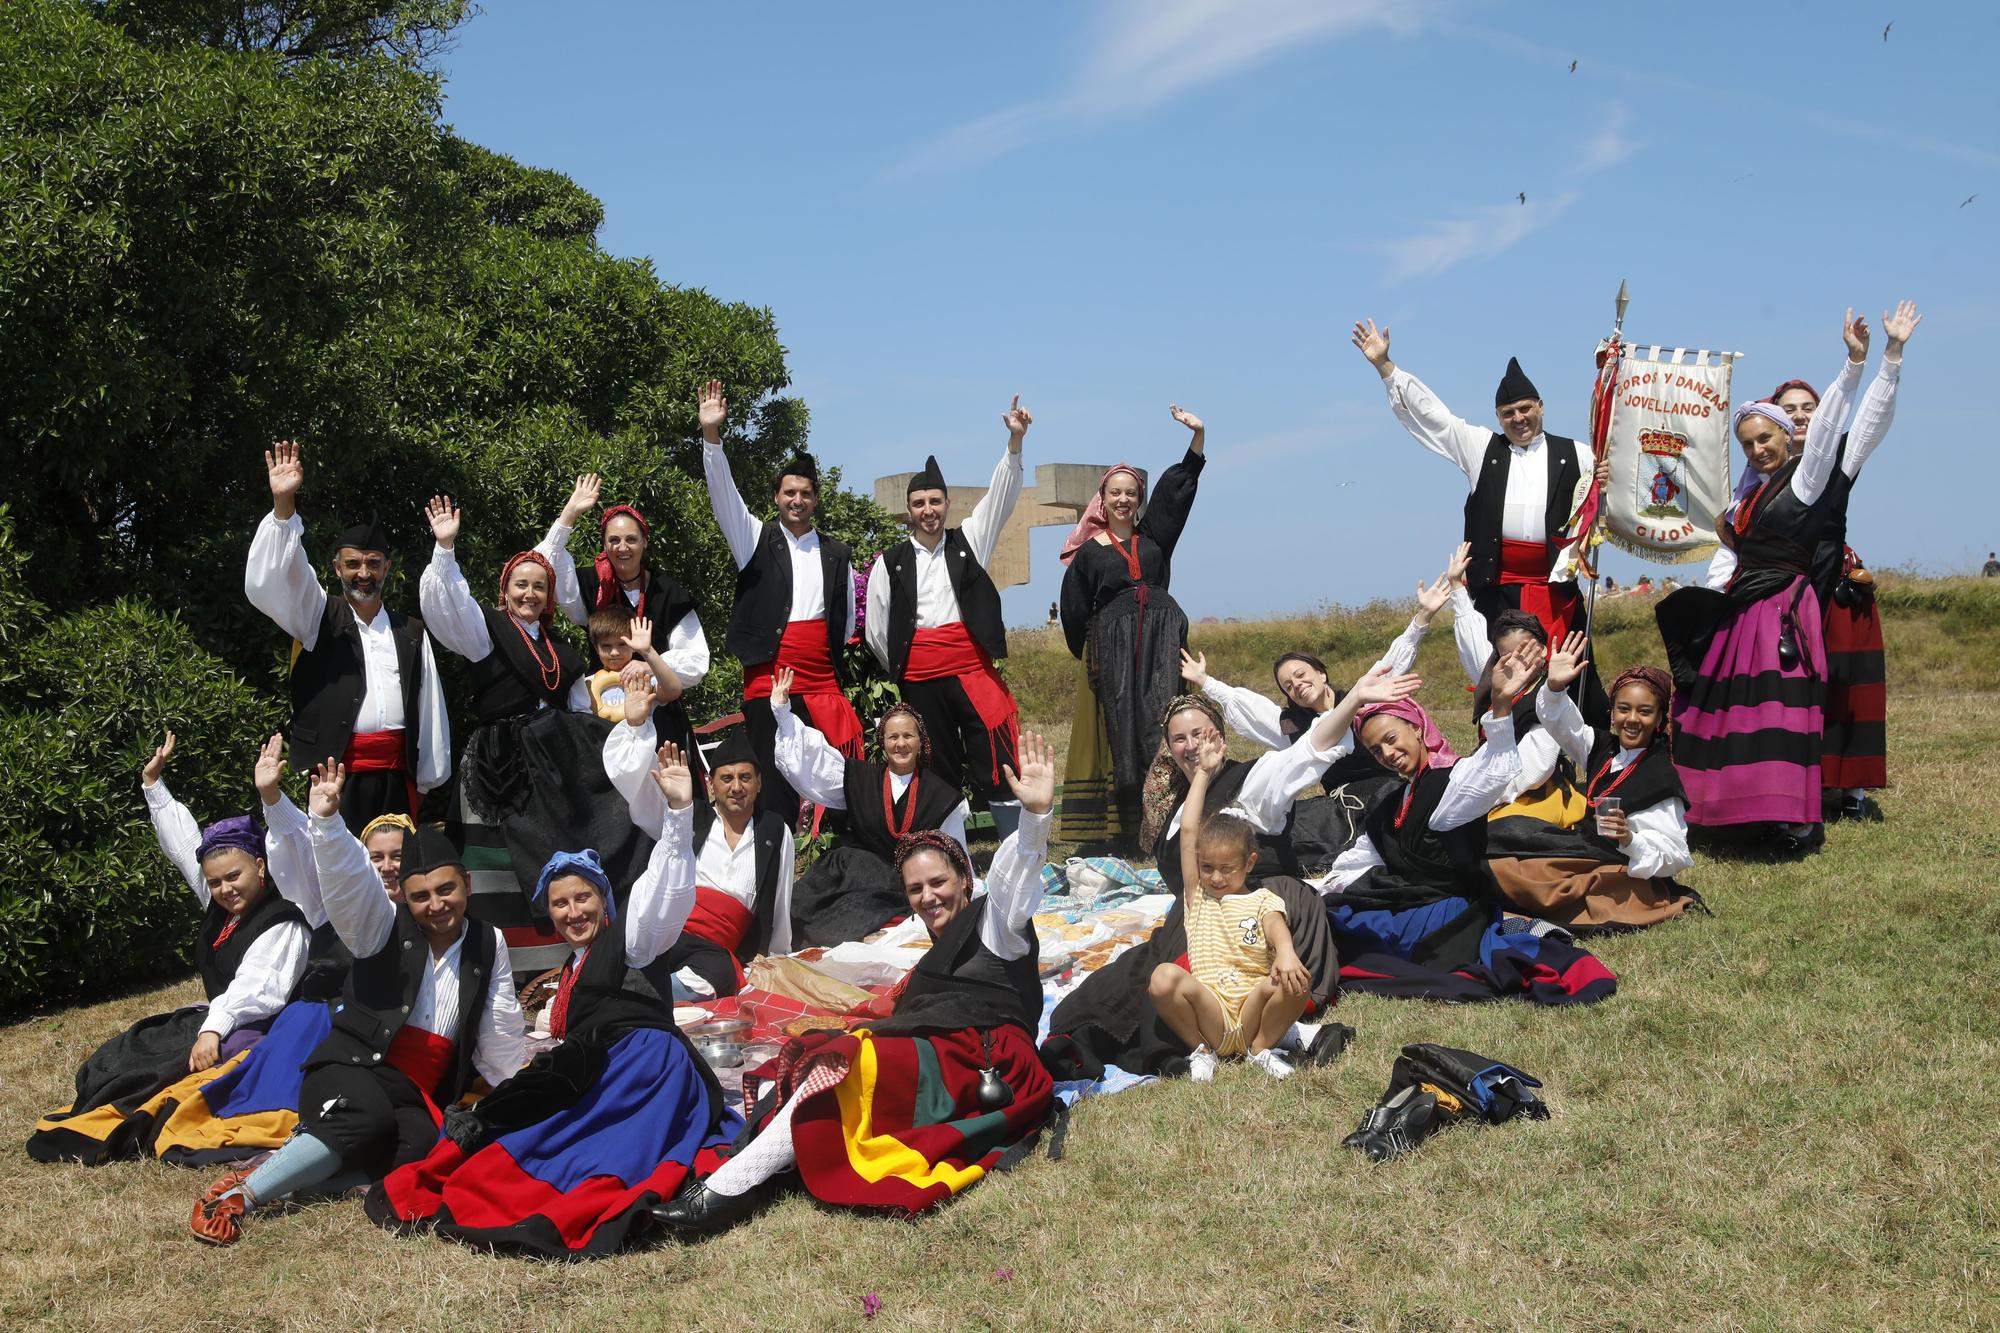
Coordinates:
(218, 966)
(978, 599)
(767, 829)
(664, 602)
(508, 682)
(329, 680)
(1416, 853)
(1829, 563)
(1783, 530)
(868, 816)
(1486, 504)
(610, 995)
(1274, 850)
(961, 984)
(1642, 784)
(327, 961)
(764, 599)
(382, 988)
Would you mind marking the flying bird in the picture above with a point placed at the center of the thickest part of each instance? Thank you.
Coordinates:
(1968, 199)
(1572, 67)
(1885, 29)
(1524, 196)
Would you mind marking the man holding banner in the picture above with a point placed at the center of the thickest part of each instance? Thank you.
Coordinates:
(1524, 491)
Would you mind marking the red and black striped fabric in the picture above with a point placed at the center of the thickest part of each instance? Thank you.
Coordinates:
(1856, 745)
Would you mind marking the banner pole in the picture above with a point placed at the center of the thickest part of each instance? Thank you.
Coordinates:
(1624, 299)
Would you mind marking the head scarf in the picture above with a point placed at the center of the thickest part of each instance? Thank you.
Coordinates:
(1751, 478)
(380, 822)
(243, 833)
(584, 865)
(1660, 683)
(1095, 518)
(900, 709)
(1165, 786)
(1788, 386)
(1437, 750)
(931, 840)
(608, 587)
(514, 562)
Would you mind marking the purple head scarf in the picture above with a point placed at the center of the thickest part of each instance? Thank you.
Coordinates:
(1747, 483)
(243, 833)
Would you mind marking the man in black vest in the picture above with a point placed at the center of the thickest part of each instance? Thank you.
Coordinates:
(365, 685)
(1524, 488)
(794, 603)
(429, 1001)
(934, 623)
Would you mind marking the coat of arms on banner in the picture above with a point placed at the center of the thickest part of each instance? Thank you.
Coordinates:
(1667, 491)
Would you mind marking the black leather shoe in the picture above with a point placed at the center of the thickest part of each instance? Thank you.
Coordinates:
(1328, 1043)
(700, 1210)
(1794, 845)
(1860, 807)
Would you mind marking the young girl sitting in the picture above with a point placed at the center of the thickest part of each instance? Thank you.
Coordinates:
(1244, 985)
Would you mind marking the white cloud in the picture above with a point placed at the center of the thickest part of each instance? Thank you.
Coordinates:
(1609, 146)
(1143, 53)
(1480, 233)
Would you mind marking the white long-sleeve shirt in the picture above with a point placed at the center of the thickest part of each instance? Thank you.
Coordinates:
(1470, 793)
(687, 647)
(1538, 750)
(628, 762)
(937, 604)
(1258, 718)
(281, 582)
(1265, 798)
(366, 922)
(1524, 513)
(1822, 446)
(658, 907)
(1014, 885)
(1659, 847)
(817, 771)
(741, 529)
(288, 854)
(274, 962)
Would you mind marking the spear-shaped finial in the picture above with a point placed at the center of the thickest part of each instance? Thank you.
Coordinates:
(1624, 299)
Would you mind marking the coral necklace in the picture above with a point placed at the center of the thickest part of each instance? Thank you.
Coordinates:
(889, 805)
(551, 670)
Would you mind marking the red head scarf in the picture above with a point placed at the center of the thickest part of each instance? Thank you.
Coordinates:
(1095, 519)
(1788, 386)
(608, 586)
(514, 562)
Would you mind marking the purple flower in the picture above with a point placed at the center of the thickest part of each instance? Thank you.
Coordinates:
(871, 1305)
(1003, 1274)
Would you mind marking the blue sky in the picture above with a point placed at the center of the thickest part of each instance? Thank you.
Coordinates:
(1107, 208)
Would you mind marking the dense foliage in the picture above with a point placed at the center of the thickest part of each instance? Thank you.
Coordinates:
(229, 223)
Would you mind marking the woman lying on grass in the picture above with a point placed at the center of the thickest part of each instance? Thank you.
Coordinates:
(907, 1111)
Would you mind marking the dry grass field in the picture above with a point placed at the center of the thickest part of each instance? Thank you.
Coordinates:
(1784, 1118)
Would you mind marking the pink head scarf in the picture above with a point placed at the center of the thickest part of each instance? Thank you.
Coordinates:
(1094, 519)
(1437, 750)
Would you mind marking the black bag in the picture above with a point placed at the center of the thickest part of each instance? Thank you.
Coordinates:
(1432, 1086)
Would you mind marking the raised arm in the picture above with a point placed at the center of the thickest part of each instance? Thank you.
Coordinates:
(739, 528)
(1250, 713)
(554, 547)
(1558, 713)
(813, 767)
(1476, 783)
(1418, 409)
(1878, 405)
(1193, 807)
(450, 613)
(1376, 686)
(278, 579)
(173, 824)
(628, 762)
(686, 653)
(1829, 419)
(361, 913)
(660, 901)
(1173, 495)
(989, 517)
(1014, 880)
(288, 852)
(1468, 634)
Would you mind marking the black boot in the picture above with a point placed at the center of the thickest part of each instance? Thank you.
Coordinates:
(699, 1210)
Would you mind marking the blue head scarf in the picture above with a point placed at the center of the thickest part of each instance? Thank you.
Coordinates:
(584, 864)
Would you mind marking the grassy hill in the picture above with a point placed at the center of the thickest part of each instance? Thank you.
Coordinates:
(1783, 1119)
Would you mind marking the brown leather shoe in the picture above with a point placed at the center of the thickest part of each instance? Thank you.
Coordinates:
(228, 1181)
(219, 1221)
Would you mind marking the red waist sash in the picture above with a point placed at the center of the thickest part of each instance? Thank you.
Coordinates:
(1526, 565)
(424, 1057)
(721, 920)
(381, 752)
(949, 650)
(804, 650)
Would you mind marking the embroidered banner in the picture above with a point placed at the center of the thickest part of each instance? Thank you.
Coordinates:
(1668, 439)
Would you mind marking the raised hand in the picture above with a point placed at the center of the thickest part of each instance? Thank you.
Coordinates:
(582, 499)
(1017, 420)
(639, 693)
(1567, 662)
(1460, 561)
(1433, 597)
(1212, 755)
(1515, 672)
(1373, 342)
(1194, 669)
(444, 518)
(673, 777)
(713, 410)
(781, 687)
(1377, 686)
(328, 780)
(270, 768)
(285, 469)
(640, 637)
(158, 763)
(1034, 786)
(1899, 327)
(1186, 418)
(1854, 332)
